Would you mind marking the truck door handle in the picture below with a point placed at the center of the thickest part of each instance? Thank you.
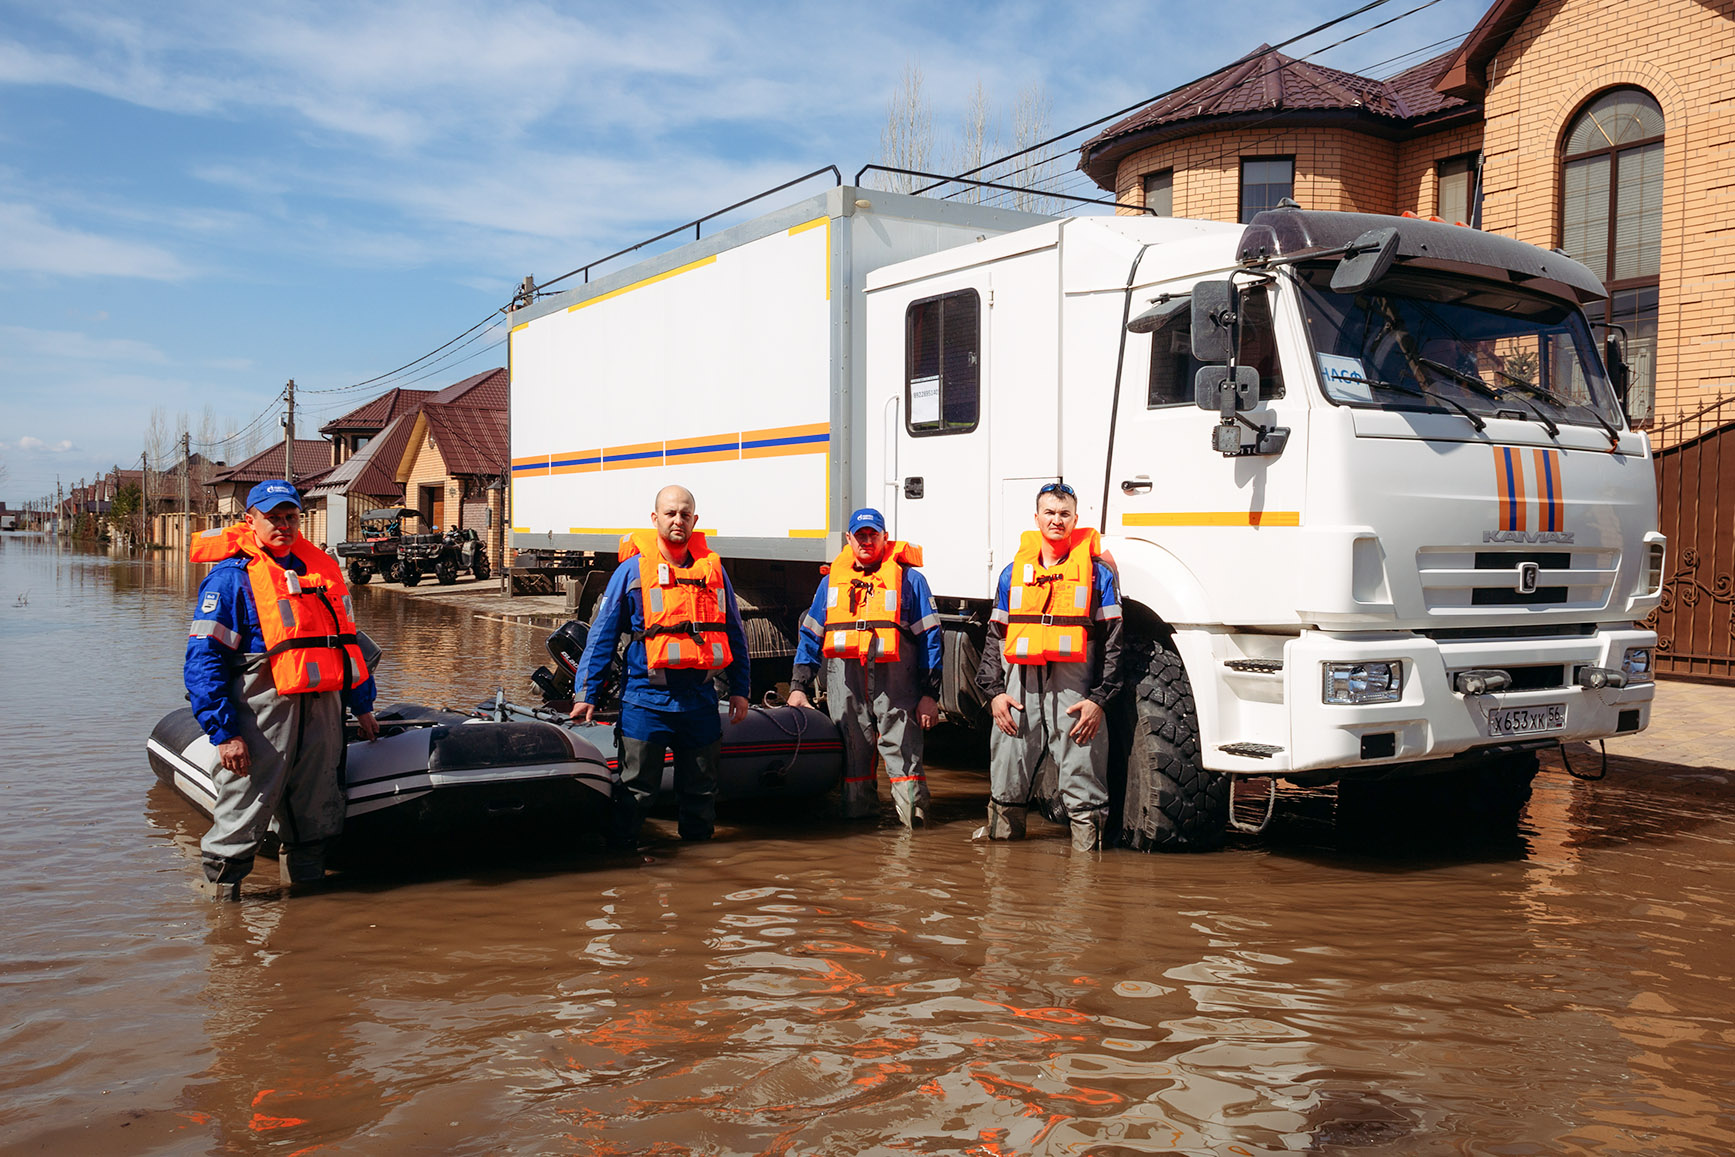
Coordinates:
(1136, 486)
(914, 487)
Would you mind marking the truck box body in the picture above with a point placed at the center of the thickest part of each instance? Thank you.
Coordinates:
(1431, 519)
(726, 365)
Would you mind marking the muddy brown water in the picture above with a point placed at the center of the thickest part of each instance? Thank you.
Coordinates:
(802, 986)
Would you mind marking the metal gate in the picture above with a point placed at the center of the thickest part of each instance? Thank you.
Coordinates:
(1695, 622)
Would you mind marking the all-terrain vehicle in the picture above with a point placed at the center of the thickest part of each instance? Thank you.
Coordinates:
(442, 555)
(377, 551)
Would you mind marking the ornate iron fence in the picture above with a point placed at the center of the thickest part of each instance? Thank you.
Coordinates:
(1695, 623)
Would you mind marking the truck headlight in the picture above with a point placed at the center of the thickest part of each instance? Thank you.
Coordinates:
(1351, 683)
(1637, 664)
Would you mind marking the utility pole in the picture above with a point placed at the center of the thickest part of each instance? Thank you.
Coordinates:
(186, 469)
(144, 498)
(289, 437)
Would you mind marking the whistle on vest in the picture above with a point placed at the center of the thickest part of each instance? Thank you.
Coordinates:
(662, 574)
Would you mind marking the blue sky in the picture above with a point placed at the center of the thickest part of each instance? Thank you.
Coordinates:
(200, 201)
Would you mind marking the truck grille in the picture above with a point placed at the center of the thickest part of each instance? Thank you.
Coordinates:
(1460, 581)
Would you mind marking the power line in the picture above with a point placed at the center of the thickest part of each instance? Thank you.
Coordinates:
(411, 363)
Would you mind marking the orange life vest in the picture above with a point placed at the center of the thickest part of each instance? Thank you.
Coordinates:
(1048, 612)
(861, 610)
(307, 619)
(686, 616)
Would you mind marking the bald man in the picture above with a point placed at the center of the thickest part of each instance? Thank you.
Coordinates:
(670, 598)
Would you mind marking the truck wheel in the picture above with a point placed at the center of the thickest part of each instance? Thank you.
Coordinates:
(1167, 801)
(480, 567)
(358, 574)
(445, 573)
(410, 575)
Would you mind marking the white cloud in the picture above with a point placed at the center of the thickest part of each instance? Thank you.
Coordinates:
(31, 242)
(70, 345)
(30, 445)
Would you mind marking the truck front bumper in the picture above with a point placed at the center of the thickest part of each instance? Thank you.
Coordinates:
(1432, 719)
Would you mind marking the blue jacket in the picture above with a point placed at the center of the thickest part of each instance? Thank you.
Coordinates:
(621, 610)
(916, 616)
(226, 628)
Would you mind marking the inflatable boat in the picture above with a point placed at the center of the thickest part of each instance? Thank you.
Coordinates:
(430, 773)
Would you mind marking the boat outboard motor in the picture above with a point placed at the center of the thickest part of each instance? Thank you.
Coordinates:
(566, 648)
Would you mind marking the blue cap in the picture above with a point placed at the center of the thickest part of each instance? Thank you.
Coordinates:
(865, 517)
(272, 494)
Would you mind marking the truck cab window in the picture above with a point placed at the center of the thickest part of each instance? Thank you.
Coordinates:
(942, 364)
(1173, 366)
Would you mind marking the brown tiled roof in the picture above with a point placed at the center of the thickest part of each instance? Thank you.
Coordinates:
(373, 469)
(490, 389)
(374, 415)
(1267, 86)
(312, 462)
(471, 439)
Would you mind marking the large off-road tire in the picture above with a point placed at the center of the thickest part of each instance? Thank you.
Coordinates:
(359, 574)
(408, 575)
(445, 573)
(1162, 799)
(480, 567)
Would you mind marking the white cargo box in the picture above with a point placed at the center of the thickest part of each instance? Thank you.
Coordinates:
(730, 366)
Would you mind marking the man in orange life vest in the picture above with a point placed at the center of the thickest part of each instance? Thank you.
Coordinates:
(272, 661)
(671, 597)
(873, 621)
(1050, 667)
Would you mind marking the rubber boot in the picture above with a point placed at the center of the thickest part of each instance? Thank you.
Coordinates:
(1086, 834)
(1005, 822)
(223, 878)
(304, 863)
(916, 817)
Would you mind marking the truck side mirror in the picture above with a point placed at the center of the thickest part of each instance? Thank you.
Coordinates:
(1211, 382)
(1214, 322)
(1367, 259)
(1619, 373)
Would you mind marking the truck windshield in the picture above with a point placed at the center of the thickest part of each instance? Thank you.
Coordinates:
(1427, 340)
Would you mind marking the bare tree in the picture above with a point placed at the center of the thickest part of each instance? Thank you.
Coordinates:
(980, 142)
(907, 140)
(1036, 170)
(206, 438)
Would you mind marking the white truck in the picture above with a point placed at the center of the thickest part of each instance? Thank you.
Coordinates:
(1374, 506)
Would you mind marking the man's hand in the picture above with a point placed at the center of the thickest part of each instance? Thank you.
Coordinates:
(797, 699)
(738, 708)
(370, 727)
(581, 712)
(1089, 719)
(927, 712)
(235, 757)
(1003, 707)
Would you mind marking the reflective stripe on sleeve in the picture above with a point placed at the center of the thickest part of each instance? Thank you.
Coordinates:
(809, 623)
(1110, 612)
(1000, 616)
(925, 624)
(211, 629)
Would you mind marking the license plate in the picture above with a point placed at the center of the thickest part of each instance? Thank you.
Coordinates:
(1527, 720)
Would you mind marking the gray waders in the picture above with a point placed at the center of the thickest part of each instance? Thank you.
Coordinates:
(1044, 728)
(296, 746)
(641, 777)
(874, 707)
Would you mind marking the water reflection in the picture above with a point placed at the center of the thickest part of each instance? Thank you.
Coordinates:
(805, 986)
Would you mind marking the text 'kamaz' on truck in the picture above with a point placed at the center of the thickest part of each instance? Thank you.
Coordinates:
(1374, 506)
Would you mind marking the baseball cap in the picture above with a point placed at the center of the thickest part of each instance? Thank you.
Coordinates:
(865, 517)
(271, 494)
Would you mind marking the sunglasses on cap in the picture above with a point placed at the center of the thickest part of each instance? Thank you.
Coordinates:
(1057, 488)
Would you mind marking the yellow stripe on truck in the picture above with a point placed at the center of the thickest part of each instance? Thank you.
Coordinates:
(1215, 518)
(703, 261)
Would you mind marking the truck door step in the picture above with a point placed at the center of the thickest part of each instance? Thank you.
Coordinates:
(1255, 666)
(1251, 750)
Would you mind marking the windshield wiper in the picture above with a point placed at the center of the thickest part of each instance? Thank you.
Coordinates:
(1457, 375)
(1375, 383)
(1548, 395)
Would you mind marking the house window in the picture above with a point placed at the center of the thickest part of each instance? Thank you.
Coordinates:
(1160, 192)
(1458, 195)
(1612, 220)
(943, 364)
(1264, 182)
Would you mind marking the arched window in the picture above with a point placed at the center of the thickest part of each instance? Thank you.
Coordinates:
(1612, 220)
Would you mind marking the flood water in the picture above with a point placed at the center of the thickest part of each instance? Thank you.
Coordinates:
(801, 986)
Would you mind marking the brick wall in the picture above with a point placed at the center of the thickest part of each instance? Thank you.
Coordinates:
(1334, 169)
(1683, 53)
(429, 469)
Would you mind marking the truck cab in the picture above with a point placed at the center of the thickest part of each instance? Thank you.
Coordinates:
(1372, 499)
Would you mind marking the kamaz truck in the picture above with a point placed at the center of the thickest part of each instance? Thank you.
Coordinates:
(1367, 483)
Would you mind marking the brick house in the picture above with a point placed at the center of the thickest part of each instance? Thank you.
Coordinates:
(1602, 127)
(456, 447)
(312, 463)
